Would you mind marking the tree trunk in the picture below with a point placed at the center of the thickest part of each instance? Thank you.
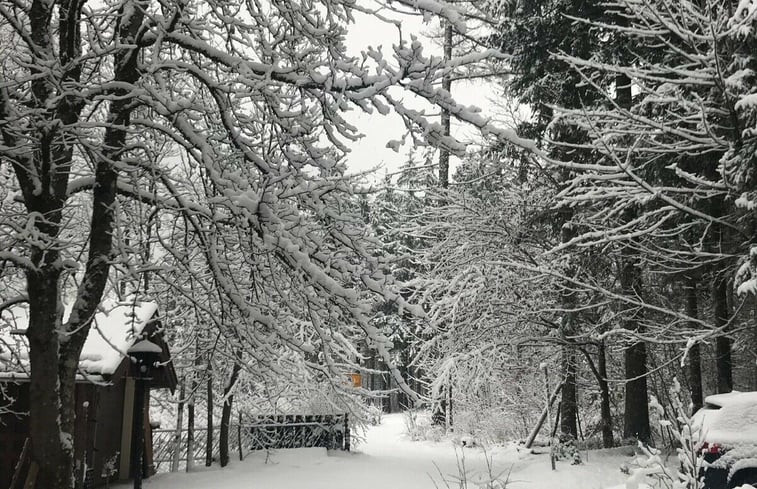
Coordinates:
(440, 416)
(446, 85)
(604, 390)
(449, 408)
(191, 425)
(50, 429)
(209, 440)
(568, 300)
(695, 354)
(568, 403)
(179, 425)
(543, 417)
(636, 419)
(228, 399)
(723, 360)
(53, 364)
(53, 456)
(394, 405)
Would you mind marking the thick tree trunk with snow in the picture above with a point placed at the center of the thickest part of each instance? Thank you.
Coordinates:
(54, 458)
(51, 430)
(55, 347)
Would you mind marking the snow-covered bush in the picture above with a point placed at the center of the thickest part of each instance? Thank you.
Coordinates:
(419, 426)
(653, 468)
(567, 450)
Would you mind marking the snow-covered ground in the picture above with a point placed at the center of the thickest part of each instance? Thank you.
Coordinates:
(388, 459)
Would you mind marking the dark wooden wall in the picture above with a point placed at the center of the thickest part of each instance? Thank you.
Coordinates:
(107, 432)
(97, 434)
(13, 428)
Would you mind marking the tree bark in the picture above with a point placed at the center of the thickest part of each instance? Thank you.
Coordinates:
(543, 417)
(209, 439)
(179, 425)
(723, 344)
(51, 431)
(447, 86)
(636, 419)
(568, 299)
(695, 354)
(228, 400)
(54, 459)
(440, 415)
(568, 403)
(604, 390)
(54, 362)
(191, 424)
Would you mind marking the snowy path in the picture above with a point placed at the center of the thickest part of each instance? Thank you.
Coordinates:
(389, 460)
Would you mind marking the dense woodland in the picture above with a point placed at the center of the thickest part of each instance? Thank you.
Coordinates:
(196, 154)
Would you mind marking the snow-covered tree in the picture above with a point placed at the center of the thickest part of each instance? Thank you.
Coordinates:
(226, 116)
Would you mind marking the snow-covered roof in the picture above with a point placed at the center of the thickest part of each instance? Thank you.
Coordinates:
(733, 423)
(114, 330)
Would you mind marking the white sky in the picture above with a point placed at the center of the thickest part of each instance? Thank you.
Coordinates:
(371, 150)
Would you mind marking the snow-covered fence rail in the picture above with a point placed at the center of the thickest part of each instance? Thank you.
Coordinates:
(260, 432)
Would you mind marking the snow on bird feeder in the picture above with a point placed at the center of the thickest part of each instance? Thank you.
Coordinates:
(145, 354)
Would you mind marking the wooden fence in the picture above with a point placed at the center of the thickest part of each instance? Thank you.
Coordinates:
(263, 432)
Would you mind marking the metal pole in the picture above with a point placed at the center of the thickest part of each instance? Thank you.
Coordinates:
(139, 427)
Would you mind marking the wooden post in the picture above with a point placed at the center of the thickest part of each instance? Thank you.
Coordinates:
(126, 429)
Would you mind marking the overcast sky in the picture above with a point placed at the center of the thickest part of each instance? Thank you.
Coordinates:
(371, 150)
